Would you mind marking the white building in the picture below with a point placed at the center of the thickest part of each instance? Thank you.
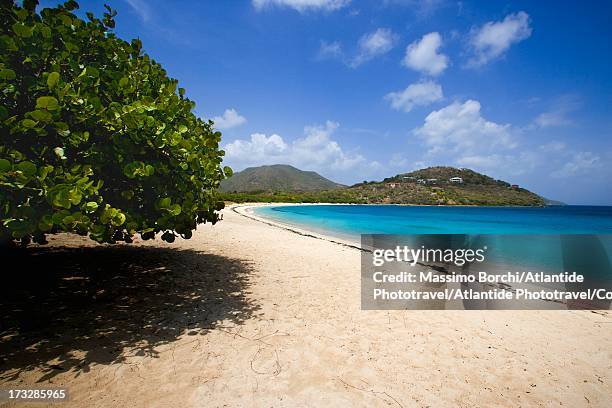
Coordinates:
(455, 180)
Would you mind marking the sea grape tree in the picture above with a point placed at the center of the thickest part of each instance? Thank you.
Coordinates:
(95, 138)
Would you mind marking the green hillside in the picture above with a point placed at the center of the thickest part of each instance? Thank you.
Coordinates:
(430, 186)
(433, 186)
(278, 177)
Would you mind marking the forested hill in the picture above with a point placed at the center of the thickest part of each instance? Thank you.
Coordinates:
(446, 186)
(278, 177)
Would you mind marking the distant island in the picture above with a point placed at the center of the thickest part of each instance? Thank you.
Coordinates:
(440, 185)
(553, 202)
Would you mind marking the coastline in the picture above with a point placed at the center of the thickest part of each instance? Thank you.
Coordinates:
(250, 314)
(246, 211)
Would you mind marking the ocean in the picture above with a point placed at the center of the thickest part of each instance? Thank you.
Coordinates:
(353, 220)
(519, 238)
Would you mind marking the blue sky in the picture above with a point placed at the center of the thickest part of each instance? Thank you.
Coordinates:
(361, 90)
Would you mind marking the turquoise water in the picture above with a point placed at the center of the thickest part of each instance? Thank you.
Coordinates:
(353, 220)
(535, 242)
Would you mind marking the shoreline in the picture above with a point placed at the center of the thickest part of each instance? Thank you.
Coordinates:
(243, 209)
(418, 205)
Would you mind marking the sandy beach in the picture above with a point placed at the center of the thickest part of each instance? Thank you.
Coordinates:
(249, 314)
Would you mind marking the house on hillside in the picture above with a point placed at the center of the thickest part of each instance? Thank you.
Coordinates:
(421, 181)
(456, 180)
(432, 181)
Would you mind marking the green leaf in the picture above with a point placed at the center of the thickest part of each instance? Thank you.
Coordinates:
(52, 79)
(118, 219)
(123, 82)
(228, 171)
(69, 219)
(44, 171)
(59, 152)
(61, 126)
(18, 228)
(134, 169)
(45, 31)
(46, 223)
(65, 19)
(107, 214)
(28, 123)
(95, 103)
(47, 102)
(7, 74)
(40, 115)
(27, 168)
(23, 13)
(175, 209)
(165, 203)
(59, 197)
(22, 30)
(75, 196)
(58, 216)
(5, 166)
(93, 72)
(64, 133)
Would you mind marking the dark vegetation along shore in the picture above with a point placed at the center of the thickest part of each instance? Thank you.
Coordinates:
(430, 186)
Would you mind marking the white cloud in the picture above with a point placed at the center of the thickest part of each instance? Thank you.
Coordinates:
(316, 150)
(422, 55)
(419, 94)
(259, 149)
(374, 44)
(558, 115)
(552, 118)
(230, 119)
(460, 128)
(493, 39)
(580, 163)
(302, 5)
(141, 8)
(329, 50)
(499, 163)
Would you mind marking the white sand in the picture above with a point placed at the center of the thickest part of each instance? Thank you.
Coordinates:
(309, 344)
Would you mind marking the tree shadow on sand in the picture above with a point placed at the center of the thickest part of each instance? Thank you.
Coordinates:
(79, 307)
